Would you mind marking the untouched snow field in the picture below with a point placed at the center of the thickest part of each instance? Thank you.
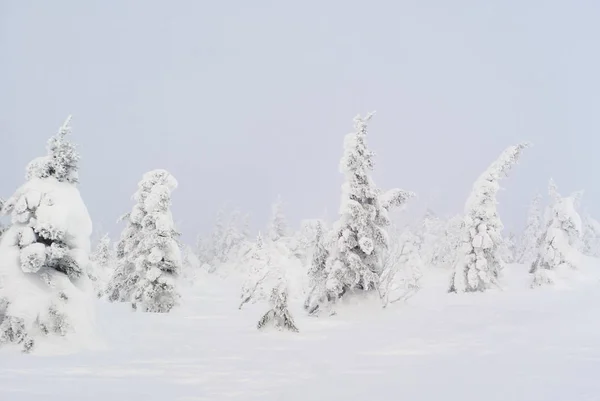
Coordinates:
(515, 344)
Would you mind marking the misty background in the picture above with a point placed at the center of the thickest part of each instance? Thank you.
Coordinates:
(245, 100)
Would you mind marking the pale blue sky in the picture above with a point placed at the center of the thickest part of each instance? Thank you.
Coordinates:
(244, 100)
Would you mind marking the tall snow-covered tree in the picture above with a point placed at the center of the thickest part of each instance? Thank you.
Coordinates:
(527, 250)
(149, 255)
(478, 263)
(360, 234)
(558, 246)
(45, 251)
(278, 227)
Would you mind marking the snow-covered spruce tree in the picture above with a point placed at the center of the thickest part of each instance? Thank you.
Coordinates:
(508, 248)
(478, 262)
(591, 236)
(558, 245)
(102, 262)
(359, 236)
(149, 255)
(278, 227)
(258, 265)
(317, 274)
(44, 254)
(402, 272)
(527, 250)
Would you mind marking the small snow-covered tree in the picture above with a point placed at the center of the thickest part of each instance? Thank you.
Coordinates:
(402, 272)
(478, 262)
(359, 236)
(508, 248)
(45, 252)
(527, 250)
(149, 255)
(102, 262)
(267, 281)
(317, 274)
(558, 246)
(591, 236)
(278, 227)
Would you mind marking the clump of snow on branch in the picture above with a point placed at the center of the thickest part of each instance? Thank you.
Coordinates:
(478, 263)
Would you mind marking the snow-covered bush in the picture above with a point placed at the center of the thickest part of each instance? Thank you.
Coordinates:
(148, 253)
(267, 280)
(402, 271)
(44, 254)
(102, 262)
(527, 250)
(317, 273)
(591, 236)
(359, 237)
(558, 246)
(478, 262)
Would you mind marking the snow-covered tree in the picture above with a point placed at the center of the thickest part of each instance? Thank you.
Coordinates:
(558, 246)
(258, 265)
(267, 281)
(402, 271)
(44, 254)
(591, 236)
(508, 248)
(527, 250)
(102, 262)
(278, 227)
(478, 262)
(317, 274)
(359, 236)
(278, 316)
(149, 256)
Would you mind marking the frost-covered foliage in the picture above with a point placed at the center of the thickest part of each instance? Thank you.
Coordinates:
(402, 269)
(228, 241)
(148, 253)
(439, 238)
(317, 273)
(359, 237)
(305, 240)
(508, 248)
(527, 250)
(278, 226)
(478, 262)
(44, 254)
(278, 316)
(62, 159)
(102, 262)
(558, 246)
(591, 236)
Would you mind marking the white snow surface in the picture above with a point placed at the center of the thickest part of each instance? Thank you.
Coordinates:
(510, 344)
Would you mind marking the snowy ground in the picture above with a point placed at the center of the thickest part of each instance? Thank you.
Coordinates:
(516, 344)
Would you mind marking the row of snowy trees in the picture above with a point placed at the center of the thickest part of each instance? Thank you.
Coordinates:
(49, 278)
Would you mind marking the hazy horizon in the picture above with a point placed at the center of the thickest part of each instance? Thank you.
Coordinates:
(243, 102)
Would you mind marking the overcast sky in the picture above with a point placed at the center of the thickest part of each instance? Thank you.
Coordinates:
(245, 100)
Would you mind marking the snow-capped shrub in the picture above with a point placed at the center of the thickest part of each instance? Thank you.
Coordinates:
(44, 254)
(102, 263)
(402, 270)
(148, 253)
(558, 246)
(478, 262)
(527, 251)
